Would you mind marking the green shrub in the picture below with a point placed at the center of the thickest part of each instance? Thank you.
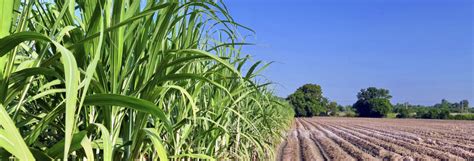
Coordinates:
(433, 113)
(469, 116)
(350, 114)
(403, 113)
(377, 107)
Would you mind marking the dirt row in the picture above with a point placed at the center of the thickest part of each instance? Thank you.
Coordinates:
(327, 138)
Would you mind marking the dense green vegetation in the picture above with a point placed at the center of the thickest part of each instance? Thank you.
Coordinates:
(116, 80)
(373, 102)
(308, 101)
(443, 110)
(462, 116)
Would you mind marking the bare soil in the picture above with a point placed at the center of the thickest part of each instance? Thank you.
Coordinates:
(330, 138)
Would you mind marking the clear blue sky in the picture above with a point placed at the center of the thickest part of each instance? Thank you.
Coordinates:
(421, 50)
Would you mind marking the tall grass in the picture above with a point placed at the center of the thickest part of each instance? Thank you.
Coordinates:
(127, 80)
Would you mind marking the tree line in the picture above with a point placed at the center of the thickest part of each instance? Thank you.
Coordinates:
(442, 110)
(308, 100)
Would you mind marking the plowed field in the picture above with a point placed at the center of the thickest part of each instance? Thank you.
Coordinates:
(326, 138)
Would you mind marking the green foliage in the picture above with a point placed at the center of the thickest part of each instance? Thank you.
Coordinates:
(462, 116)
(332, 108)
(404, 113)
(347, 111)
(433, 113)
(372, 93)
(350, 114)
(443, 110)
(125, 80)
(376, 107)
(457, 107)
(308, 101)
(373, 102)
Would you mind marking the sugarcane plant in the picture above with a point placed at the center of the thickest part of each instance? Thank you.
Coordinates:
(132, 80)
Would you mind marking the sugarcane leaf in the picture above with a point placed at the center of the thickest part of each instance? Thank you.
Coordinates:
(11, 139)
(110, 100)
(157, 143)
(57, 150)
(72, 78)
(11, 41)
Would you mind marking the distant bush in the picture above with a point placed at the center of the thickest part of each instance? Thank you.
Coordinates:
(332, 109)
(471, 110)
(433, 113)
(351, 114)
(403, 113)
(462, 117)
(347, 114)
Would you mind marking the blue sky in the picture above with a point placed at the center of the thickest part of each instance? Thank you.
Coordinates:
(421, 50)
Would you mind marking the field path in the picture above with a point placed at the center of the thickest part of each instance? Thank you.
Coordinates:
(330, 138)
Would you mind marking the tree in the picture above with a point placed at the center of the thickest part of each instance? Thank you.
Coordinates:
(403, 113)
(372, 92)
(445, 104)
(373, 102)
(437, 113)
(464, 105)
(308, 101)
(341, 108)
(332, 108)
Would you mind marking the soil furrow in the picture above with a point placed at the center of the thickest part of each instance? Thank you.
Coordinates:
(348, 147)
(414, 147)
(336, 138)
(382, 148)
(330, 148)
(427, 142)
